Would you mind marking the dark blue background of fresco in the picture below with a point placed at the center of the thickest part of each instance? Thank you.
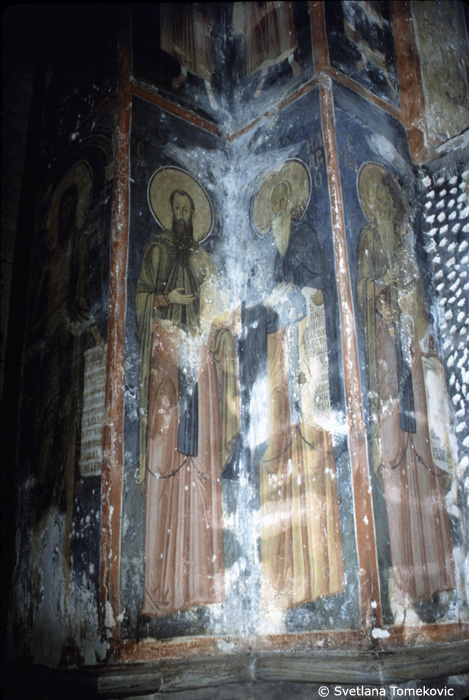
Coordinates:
(231, 175)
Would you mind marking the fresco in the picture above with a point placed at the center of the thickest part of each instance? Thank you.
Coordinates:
(411, 458)
(185, 34)
(187, 389)
(207, 61)
(301, 550)
(269, 35)
(233, 387)
(62, 408)
(396, 331)
(61, 315)
(361, 45)
(181, 379)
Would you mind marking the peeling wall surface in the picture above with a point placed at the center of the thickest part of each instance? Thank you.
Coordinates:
(243, 418)
(60, 441)
(444, 71)
(361, 45)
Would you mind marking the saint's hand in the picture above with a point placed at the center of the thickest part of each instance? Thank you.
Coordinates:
(176, 296)
(98, 337)
(318, 297)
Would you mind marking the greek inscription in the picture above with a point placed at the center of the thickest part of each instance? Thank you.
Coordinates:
(348, 154)
(316, 159)
(92, 422)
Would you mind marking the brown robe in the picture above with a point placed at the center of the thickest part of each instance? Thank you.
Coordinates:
(183, 519)
(269, 30)
(185, 34)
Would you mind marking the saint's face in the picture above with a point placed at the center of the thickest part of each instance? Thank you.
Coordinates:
(279, 200)
(182, 210)
(383, 202)
(67, 214)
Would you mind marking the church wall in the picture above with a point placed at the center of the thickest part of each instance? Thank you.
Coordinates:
(262, 457)
(62, 404)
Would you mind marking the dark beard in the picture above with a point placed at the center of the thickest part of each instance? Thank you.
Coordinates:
(183, 238)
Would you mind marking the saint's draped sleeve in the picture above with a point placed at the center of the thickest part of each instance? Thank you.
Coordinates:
(366, 287)
(304, 266)
(79, 308)
(149, 284)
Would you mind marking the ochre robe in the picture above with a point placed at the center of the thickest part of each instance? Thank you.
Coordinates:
(301, 546)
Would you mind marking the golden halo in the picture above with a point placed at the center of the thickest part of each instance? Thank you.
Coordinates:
(370, 176)
(170, 178)
(296, 175)
(79, 174)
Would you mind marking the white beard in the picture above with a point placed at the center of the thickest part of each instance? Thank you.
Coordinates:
(281, 226)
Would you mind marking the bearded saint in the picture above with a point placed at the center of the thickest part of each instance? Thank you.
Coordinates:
(301, 548)
(64, 323)
(186, 419)
(396, 325)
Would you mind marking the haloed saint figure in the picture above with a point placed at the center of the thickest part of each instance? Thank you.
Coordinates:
(398, 341)
(63, 324)
(187, 386)
(301, 549)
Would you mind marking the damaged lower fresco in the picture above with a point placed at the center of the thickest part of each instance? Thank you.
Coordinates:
(62, 607)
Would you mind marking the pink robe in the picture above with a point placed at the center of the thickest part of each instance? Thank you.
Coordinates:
(419, 534)
(420, 538)
(184, 535)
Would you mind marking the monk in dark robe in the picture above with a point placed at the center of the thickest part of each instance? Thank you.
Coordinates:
(301, 548)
